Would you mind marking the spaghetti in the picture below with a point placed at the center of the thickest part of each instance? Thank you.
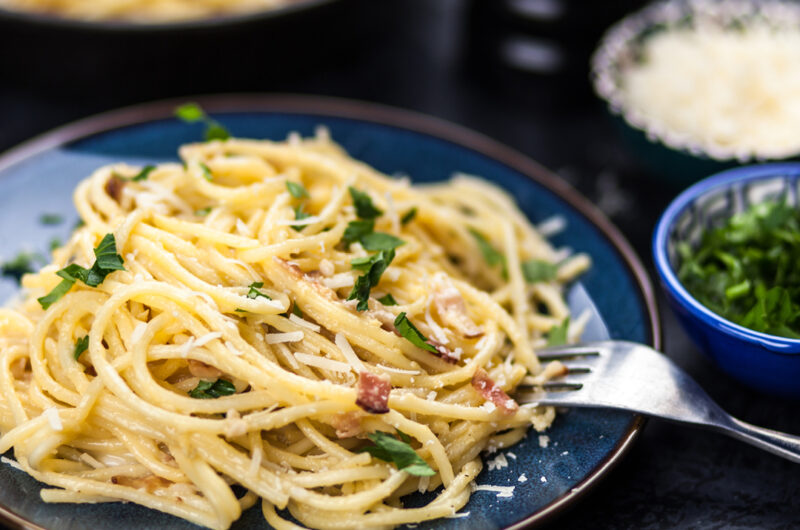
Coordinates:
(282, 317)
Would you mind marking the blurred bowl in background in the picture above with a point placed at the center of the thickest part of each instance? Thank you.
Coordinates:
(765, 362)
(698, 86)
(124, 61)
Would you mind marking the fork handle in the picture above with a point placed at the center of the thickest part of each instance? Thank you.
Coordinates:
(781, 444)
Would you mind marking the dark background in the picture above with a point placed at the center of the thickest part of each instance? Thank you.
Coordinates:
(515, 70)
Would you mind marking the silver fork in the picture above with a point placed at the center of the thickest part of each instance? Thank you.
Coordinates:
(630, 376)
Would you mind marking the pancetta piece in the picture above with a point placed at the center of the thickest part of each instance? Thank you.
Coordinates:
(373, 392)
(452, 309)
(490, 391)
(203, 370)
(114, 186)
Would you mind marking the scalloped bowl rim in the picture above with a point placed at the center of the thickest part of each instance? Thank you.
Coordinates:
(669, 279)
(618, 37)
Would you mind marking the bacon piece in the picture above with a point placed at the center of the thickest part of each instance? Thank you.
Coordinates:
(114, 186)
(347, 424)
(490, 391)
(443, 353)
(150, 483)
(373, 393)
(203, 370)
(451, 307)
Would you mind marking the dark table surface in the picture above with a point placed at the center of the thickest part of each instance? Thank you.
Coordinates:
(450, 59)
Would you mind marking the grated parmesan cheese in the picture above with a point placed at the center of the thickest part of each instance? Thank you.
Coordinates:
(186, 347)
(208, 337)
(733, 93)
(322, 362)
(277, 338)
(399, 370)
(552, 226)
(502, 491)
(544, 441)
(343, 279)
(304, 323)
(498, 462)
(53, 418)
(341, 342)
(523, 478)
(457, 515)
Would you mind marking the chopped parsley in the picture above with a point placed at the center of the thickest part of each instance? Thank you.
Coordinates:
(409, 216)
(143, 174)
(536, 271)
(212, 389)
(490, 254)
(202, 212)
(380, 241)
(106, 261)
(206, 172)
(254, 292)
(746, 270)
(356, 230)
(410, 332)
(364, 207)
(375, 267)
(54, 243)
(20, 265)
(558, 334)
(299, 215)
(296, 190)
(51, 219)
(388, 299)
(398, 452)
(81, 345)
(192, 113)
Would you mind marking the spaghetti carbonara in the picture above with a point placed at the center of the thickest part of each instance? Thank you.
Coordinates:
(143, 11)
(282, 317)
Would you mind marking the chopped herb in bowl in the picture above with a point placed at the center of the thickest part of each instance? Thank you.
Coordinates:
(747, 270)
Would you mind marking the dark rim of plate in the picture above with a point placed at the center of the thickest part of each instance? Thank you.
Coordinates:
(48, 21)
(402, 119)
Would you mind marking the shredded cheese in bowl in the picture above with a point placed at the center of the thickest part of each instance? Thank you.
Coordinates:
(713, 78)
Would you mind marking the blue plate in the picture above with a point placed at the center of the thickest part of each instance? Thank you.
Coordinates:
(38, 178)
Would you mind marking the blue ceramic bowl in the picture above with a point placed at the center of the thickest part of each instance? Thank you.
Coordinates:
(766, 362)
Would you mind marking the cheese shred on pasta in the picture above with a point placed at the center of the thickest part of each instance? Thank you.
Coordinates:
(233, 290)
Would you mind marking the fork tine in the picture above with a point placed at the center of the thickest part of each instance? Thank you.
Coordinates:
(561, 386)
(565, 352)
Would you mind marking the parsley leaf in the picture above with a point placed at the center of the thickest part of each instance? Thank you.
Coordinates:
(296, 190)
(21, 264)
(192, 113)
(410, 332)
(408, 216)
(387, 300)
(143, 174)
(380, 241)
(212, 389)
(81, 345)
(54, 243)
(398, 452)
(206, 172)
(254, 293)
(490, 254)
(558, 334)
(51, 219)
(106, 261)
(356, 230)
(539, 271)
(364, 207)
(377, 265)
(216, 131)
(299, 215)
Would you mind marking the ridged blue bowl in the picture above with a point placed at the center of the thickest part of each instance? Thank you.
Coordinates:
(765, 362)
